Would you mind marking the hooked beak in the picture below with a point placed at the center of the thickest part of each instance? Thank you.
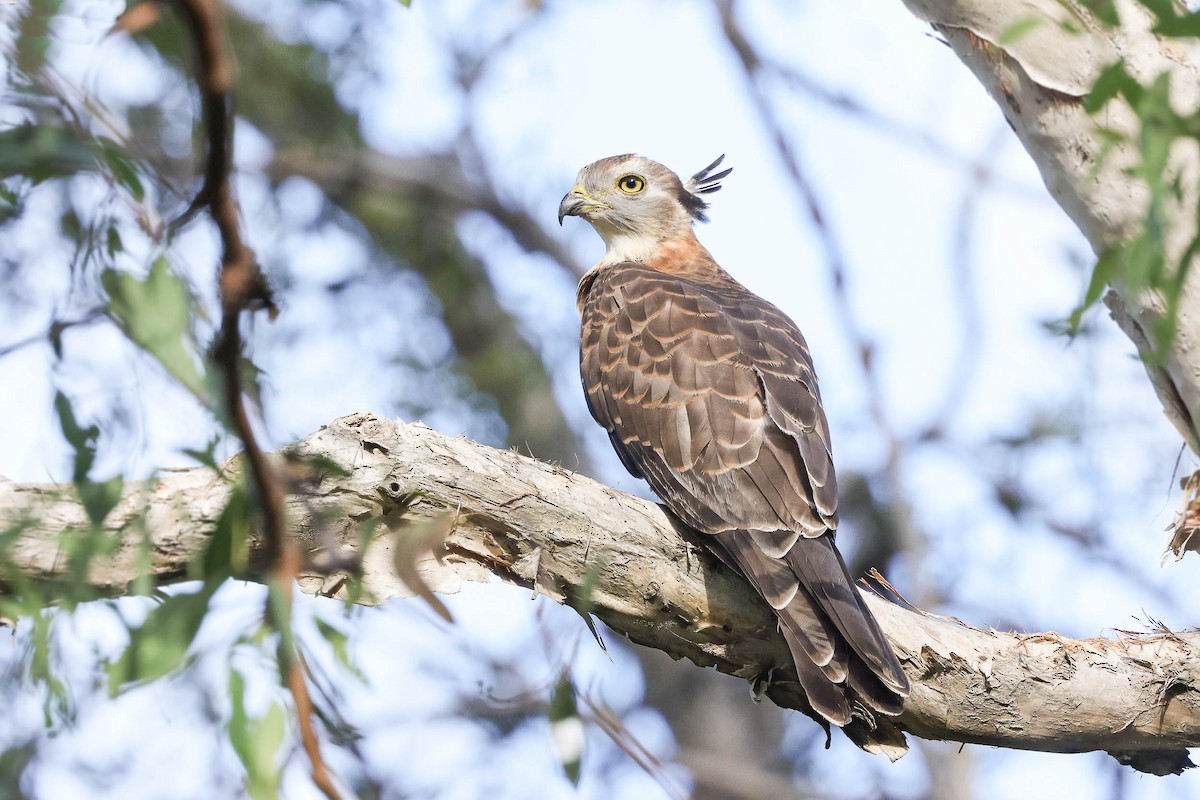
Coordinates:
(577, 204)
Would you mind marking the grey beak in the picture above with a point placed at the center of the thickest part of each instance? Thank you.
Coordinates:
(570, 206)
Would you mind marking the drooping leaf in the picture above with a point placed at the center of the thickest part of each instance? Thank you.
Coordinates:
(122, 167)
(97, 497)
(160, 644)
(566, 727)
(413, 542)
(82, 440)
(257, 741)
(339, 643)
(228, 551)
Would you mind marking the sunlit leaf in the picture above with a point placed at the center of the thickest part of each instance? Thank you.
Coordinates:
(1019, 29)
(155, 312)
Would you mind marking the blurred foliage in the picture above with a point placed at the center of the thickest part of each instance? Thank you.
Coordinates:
(59, 145)
(1145, 261)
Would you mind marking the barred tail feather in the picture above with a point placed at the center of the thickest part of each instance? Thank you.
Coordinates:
(838, 649)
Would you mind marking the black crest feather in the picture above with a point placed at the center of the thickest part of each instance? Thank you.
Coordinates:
(703, 182)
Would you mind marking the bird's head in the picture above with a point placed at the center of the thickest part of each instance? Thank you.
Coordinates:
(632, 201)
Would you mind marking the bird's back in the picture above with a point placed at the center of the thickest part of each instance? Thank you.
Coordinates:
(708, 392)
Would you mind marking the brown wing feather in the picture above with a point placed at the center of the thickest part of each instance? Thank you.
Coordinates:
(709, 393)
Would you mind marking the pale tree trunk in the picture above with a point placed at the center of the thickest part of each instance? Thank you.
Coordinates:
(556, 532)
(1039, 79)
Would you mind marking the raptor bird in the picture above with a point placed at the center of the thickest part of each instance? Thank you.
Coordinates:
(708, 392)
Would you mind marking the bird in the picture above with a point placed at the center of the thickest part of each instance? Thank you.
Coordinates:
(708, 392)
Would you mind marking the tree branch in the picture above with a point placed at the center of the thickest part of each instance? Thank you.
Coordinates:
(1039, 80)
(544, 528)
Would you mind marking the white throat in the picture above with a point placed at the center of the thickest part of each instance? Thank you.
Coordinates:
(629, 247)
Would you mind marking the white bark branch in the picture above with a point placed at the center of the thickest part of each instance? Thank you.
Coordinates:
(1039, 80)
(553, 531)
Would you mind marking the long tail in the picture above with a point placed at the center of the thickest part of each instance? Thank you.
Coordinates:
(839, 650)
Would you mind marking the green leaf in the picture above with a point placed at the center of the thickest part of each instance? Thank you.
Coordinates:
(228, 552)
(1019, 29)
(1113, 81)
(1102, 275)
(81, 439)
(279, 617)
(1103, 10)
(207, 456)
(122, 167)
(155, 313)
(566, 727)
(1179, 27)
(338, 642)
(112, 241)
(257, 742)
(57, 702)
(98, 498)
(160, 644)
(41, 152)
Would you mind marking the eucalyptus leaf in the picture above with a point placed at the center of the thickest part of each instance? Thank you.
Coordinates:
(155, 312)
(160, 644)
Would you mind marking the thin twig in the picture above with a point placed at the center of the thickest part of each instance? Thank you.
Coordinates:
(242, 288)
(898, 130)
(53, 332)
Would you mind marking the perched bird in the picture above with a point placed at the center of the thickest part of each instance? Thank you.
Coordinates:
(708, 392)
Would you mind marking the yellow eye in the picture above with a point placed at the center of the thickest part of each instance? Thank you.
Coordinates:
(631, 184)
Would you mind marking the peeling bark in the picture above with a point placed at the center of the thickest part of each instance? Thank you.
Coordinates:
(1039, 80)
(544, 528)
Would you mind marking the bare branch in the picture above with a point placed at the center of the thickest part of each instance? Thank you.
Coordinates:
(544, 528)
(441, 176)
